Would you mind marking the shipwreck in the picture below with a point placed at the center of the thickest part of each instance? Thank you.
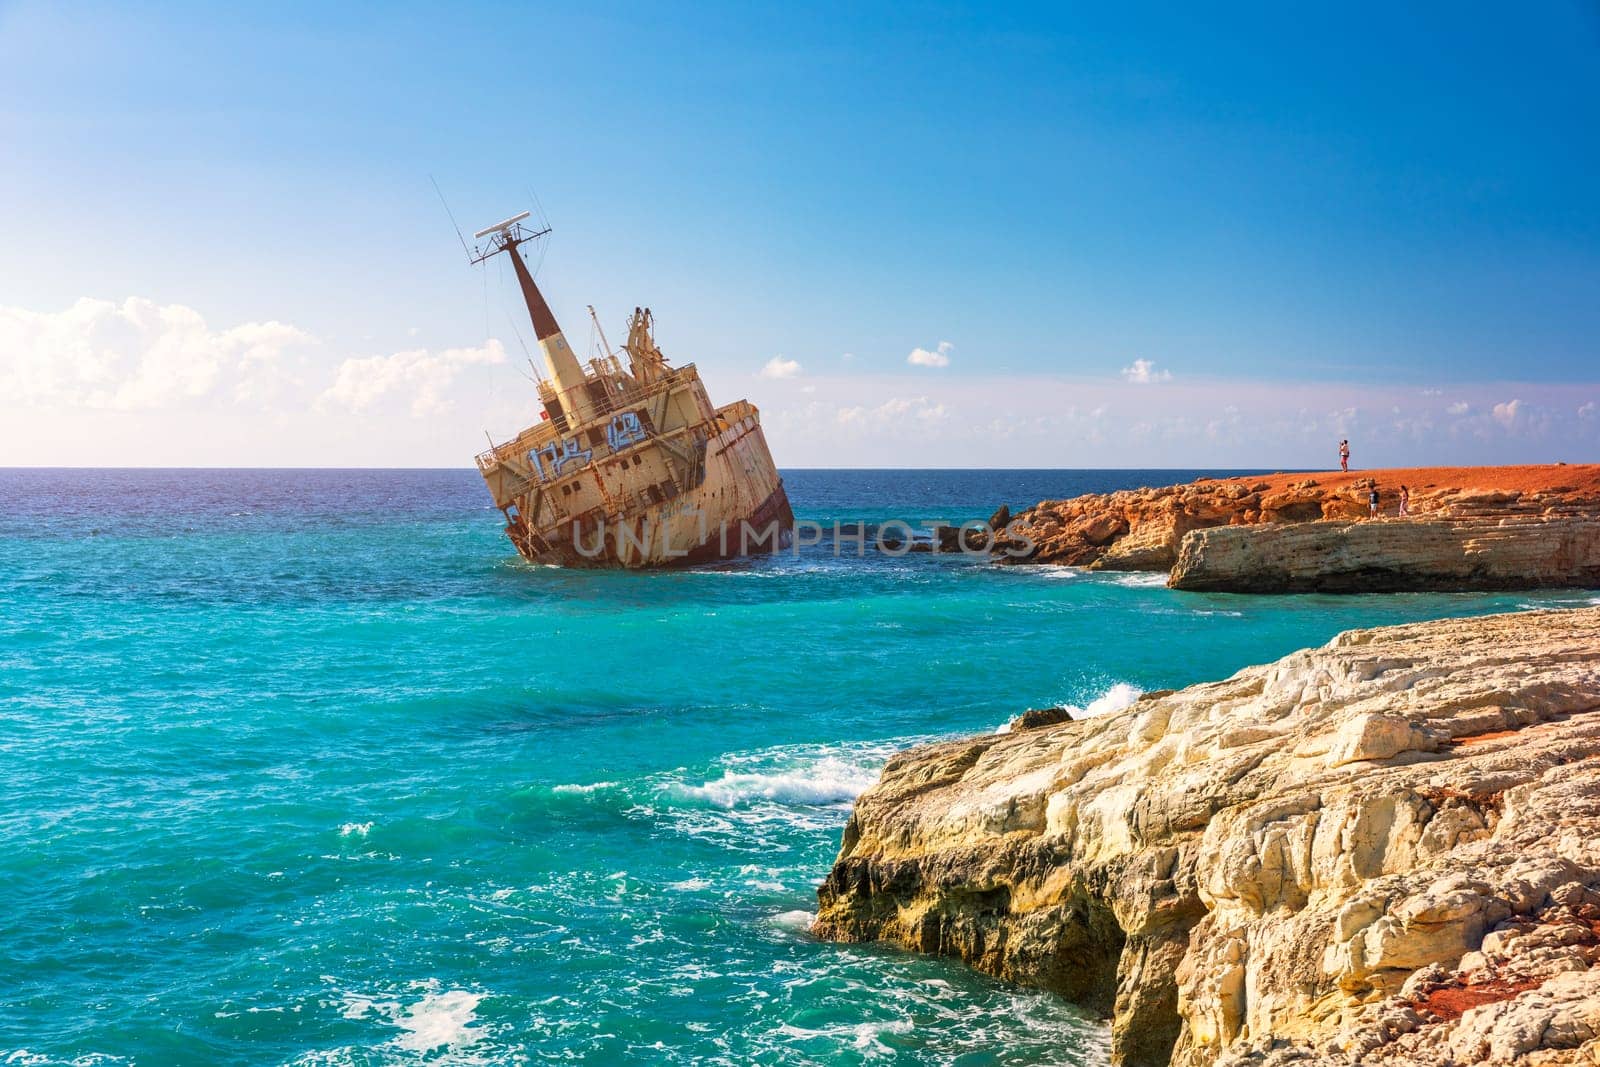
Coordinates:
(628, 468)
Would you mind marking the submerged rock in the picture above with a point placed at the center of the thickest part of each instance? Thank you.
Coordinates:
(1386, 849)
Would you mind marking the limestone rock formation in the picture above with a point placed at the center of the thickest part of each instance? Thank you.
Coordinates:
(1392, 555)
(1383, 850)
(1143, 529)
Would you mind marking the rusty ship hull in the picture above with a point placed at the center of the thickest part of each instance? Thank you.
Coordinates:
(706, 490)
(630, 468)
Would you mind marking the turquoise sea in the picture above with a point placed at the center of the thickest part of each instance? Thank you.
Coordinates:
(306, 767)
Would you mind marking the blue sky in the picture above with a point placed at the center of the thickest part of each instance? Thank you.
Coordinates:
(1304, 222)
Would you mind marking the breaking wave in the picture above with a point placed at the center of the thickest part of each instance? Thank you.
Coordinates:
(829, 780)
(1119, 696)
(751, 801)
(1116, 698)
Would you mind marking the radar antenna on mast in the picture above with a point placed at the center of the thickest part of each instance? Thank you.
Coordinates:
(506, 225)
(504, 235)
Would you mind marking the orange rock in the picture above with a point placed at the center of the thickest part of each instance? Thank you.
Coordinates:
(1153, 520)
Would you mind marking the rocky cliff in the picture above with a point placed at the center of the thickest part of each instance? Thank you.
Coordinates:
(1392, 555)
(1143, 529)
(1385, 850)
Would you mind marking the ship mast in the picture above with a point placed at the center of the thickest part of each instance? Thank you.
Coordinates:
(565, 371)
(605, 346)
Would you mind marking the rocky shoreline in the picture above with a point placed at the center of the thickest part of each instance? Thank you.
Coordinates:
(1468, 529)
(1385, 849)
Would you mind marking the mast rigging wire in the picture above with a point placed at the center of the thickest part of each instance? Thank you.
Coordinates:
(449, 215)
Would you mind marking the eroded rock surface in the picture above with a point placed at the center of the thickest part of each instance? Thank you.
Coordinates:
(1386, 849)
(1393, 555)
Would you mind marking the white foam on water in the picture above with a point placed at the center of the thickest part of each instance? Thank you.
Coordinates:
(869, 1036)
(440, 1020)
(785, 568)
(359, 1007)
(358, 829)
(1558, 603)
(592, 787)
(750, 801)
(828, 781)
(1140, 580)
(1058, 573)
(440, 1023)
(768, 886)
(797, 921)
(690, 885)
(1052, 571)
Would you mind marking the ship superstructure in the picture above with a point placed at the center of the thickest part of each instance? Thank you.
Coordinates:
(628, 468)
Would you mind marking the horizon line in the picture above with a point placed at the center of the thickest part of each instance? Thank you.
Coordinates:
(1258, 469)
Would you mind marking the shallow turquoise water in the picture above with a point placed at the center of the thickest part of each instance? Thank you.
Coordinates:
(305, 767)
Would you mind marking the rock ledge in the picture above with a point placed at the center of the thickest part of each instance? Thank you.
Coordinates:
(1386, 849)
(1470, 528)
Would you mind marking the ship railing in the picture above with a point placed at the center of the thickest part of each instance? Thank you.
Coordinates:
(613, 401)
(632, 396)
(519, 445)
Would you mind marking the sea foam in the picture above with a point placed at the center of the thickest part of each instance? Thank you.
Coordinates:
(829, 780)
(797, 920)
(1116, 698)
(1141, 579)
(440, 1020)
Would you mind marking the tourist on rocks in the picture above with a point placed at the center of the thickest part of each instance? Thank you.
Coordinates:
(1344, 455)
(1373, 500)
(1405, 501)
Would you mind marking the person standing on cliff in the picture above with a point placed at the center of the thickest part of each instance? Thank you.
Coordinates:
(1405, 501)
(1344, 455)
(1373, 500)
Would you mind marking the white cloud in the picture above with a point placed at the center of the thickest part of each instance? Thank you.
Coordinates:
(1588, 410)
(1144, 372)
(1507, 414)
(138, 355)
(1460, 407)
(417, 375)
(778, 367)
(939, 357)
(896, 410)
(1344, 421)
